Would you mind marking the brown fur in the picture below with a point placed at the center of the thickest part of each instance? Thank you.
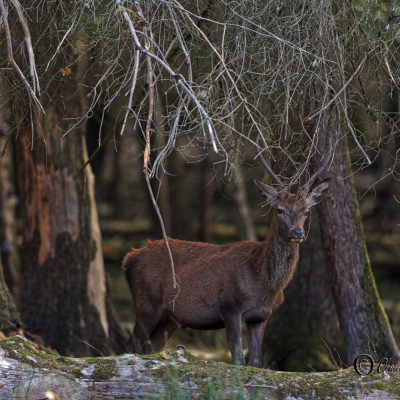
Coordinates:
(219, 285)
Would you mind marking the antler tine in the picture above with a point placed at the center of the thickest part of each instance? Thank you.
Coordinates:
(321, 168)
(266, 166)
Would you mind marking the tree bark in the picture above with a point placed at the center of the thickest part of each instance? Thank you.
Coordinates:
(240, 196)
(65, 297)
(31, 374)
(179, 195)
(120, 181)
(9, 317)
(7, 214)
(205, 209)
(363, 320)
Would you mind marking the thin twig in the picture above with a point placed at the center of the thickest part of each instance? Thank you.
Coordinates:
(11, 58)
(246, 27)
(171, 139)
(161, 221)
(355, 73)
(213, 48)
(91, 157)
(61, 42)
(344, 104)
(146, 160)
(390, 71)
(133, 85)
(150, 113)
(178, 78)
(28, 41)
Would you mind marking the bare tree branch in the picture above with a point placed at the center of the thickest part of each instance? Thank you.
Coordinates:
(146, 161)
(10, 55)
(178, 78)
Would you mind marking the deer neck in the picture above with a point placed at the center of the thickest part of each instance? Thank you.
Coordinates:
(279, 258)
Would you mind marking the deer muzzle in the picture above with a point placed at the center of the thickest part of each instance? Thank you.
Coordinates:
(296, 235)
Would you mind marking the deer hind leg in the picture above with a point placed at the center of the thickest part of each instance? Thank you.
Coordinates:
(233, 327)
(144, 326)
(162, 332)
(255, 334)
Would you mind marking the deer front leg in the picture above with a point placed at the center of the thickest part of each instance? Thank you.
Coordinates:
(255, 334)
(233, 327)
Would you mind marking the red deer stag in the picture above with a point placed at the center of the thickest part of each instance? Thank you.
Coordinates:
(221, 285)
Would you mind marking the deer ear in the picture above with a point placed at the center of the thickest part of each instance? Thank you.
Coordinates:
(269, 192)
(316, 194)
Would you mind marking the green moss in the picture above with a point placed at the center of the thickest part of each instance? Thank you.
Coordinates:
(378, 385)
(104, 371)
(104, 368)
(152, 357)
(214, 380)
(394, 389)
(19, 349)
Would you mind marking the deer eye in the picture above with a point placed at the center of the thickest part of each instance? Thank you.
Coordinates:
(280, 210)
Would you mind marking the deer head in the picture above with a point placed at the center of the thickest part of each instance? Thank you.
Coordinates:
(292, 209)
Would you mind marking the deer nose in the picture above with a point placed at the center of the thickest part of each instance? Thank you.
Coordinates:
(297, 234)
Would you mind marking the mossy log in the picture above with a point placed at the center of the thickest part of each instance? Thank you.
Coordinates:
(33, 373)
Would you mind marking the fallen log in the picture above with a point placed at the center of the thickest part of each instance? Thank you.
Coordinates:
(27, 372)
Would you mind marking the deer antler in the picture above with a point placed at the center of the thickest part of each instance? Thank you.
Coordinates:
(266, 166)
(306, 187)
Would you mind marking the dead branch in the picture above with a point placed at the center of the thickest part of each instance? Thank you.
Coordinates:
(11, 60)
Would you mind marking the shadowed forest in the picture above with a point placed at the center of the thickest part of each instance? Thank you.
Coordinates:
(125, 122)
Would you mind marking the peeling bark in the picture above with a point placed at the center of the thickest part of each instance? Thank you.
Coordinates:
(96, 276)
(64, 298)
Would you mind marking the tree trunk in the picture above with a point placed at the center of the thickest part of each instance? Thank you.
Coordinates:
(179, 195)
(120, 181)
(7, 215)
(240, 195)
(163, 191)
(7, 199)
(363, 320)
(9, 317)
(30, 374)
(65, 297)
(7, 212)
(205, 209)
